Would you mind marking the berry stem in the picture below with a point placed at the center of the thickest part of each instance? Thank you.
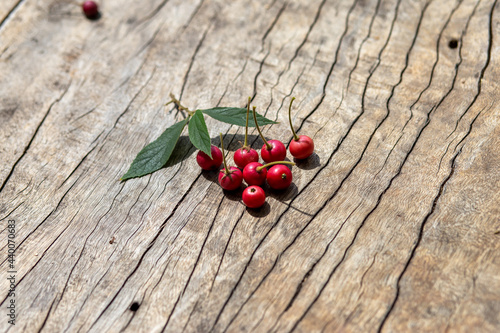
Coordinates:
(269, 147)
(226, 170)
(246, 126)
(273, 163)
(178, 104)
(295, 137)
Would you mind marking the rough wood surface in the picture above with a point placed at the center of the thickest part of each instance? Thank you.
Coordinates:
(393, 226)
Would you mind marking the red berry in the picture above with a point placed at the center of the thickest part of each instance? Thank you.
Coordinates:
(252, 176)
(302, 148)
(90, 9)
(229, 178)
(272, 150)
(232, 180)
(243, 156)
(279, 177)
(207, 163)
(254, 197)
(276, 153)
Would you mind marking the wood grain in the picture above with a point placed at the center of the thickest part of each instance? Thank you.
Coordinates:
(392, 225)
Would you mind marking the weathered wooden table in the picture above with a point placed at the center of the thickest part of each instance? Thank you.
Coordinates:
(393, 224)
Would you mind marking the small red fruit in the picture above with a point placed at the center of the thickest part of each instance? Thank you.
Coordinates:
(301, 147)
(255, 173)
(229, 178)
(279, 177)
(90, 9)
(207, 163)
(254, 197)
(273, 151)
(245, 155)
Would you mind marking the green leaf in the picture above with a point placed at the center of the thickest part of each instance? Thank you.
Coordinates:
(236, 116)
(198, 133)
(156, 154)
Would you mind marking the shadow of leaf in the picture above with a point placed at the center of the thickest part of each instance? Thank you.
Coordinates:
(182, 151)
(235, 142)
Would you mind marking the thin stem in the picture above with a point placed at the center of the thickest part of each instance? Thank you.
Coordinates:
(223, 154)
(273, 163)
(269, 147)
(290, 119)
(179, 105)
(246, 126)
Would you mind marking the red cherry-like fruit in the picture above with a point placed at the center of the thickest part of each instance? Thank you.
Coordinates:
(301, 148)
(276, 153)
(254, 197)
(255, 173)
(232, 180)
(272, 150)
(253, 176)
(229, 178)
(207, 163)
(243, 156)
(90, 9)
(279, 177)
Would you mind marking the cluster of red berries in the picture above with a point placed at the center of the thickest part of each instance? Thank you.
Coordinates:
(273, 152)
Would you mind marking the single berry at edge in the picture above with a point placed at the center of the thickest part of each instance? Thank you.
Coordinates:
(90, 9)
(301, 148)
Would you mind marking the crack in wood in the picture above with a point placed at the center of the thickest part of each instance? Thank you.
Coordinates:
(148, 248)
(9, 14)
(194, 266)
(242, 285)
(27, 147)
(483, 70)
(418, 241)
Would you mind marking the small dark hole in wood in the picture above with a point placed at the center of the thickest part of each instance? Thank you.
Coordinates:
(134, 307)
(453, 44)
